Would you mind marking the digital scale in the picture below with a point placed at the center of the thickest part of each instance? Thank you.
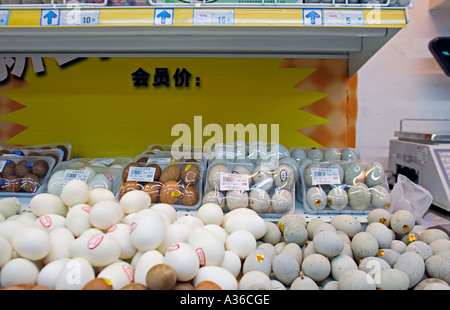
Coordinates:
(424, 157)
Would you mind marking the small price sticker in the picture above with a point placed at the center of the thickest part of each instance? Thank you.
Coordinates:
(233, 181)
(343, 17)
(322, 176)
(4, 17)
(2, 165)
(72, 174)
(141, 174)
(79, 17)
(214, 17)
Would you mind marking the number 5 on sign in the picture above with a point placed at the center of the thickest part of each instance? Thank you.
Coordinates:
(214, 17)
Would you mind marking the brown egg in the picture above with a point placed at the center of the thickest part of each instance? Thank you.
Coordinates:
(22, 167)
(53, 155)
(30, 183)
(153, 189)
(189, 196)
(11, 184)
(40, 168)
(161, 277)
(8, 168)
(171, 173)
(134, 287)
(207, 285)
(126, 170)
(158, 171)
(182, 286)
(190, 174)
(65, 151)
(156, 148)
(170, 192)
(98, 284)
(5, 151)
(129, 186)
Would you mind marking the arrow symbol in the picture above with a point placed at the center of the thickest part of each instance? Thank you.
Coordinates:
(49, 16)
(163, 15)
(313, 15)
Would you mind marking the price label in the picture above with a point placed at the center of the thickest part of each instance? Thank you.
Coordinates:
(71, 174)
(214, 17)
(79, 17)
(233, 181)
(2, 165)
(141, 174)
(343, 17)
(322, 176)
(4, 17)
(160, 160)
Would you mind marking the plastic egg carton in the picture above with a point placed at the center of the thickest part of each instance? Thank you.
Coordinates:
(269, 192)
(354, 187)
(177, 153)
(62, 150)
(24, 176)
(178, 183)
(305, 155)
(95, 175)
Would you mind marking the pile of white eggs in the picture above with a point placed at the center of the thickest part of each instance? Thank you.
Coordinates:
(70, 241)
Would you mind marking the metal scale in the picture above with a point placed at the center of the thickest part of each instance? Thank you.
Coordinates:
(424, 157)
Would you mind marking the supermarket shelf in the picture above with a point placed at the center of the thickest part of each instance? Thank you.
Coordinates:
(191, 32)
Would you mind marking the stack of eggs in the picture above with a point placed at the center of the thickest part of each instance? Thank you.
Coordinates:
(86, 239)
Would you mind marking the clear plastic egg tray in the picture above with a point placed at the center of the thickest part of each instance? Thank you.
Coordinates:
(21, 184)
(353, 187)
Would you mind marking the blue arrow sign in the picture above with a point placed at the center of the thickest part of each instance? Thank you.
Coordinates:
(49, 16)
(313, 15)
(163, 15)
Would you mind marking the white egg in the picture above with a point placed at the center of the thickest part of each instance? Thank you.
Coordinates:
(100, 194)
(255, 280)
(167, 209)
(49, 222)
(238, 211)
(60, 239)
(354, 173)
(49, 273)
(105, 213)
(374, 174)
(236, 199)
(75, 273)
(27, 216)
(349, 154)
(316, 198)
(210, 213)
(9, 228)
(262, 178)
(145, 262)
(120, 274)
(298, 154)
(359, 196)
(214, 175)
(232, 263)
(284, 176)
(32, 243)
(285, 268)
(6, 251)
(75, 192)
(259, 200)
(241, 242)
(184, 260)
(210, 249)
(19, 271)
(381, 198)
(191, 220)
(121, 232)
(98, 249)
(337, 198)
(78, 219)
(55, 184)
(101, 180)
(7, 210)
(282, 201)
(249, 222)
(218, 275)
(147, 232)
(332, 153)
(315, 154)
(218, 231)
(15, 202)
(46, 203)
(135, 201)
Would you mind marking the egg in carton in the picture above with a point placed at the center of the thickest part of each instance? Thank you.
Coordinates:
(46, 149)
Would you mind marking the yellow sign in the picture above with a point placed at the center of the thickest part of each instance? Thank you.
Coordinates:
(120, 106)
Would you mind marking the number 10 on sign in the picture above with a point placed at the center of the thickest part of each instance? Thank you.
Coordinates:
(214, 17)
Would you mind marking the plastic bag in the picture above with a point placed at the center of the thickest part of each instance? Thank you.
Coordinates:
(406, 195)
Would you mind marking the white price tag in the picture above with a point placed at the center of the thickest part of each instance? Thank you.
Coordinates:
(322, 176)
(214, 17)
(2, 165)
(4, 16)
(343, 17)
(71, 174)
(78, 17)
(233, 181)
(141, 174)
(160, 160)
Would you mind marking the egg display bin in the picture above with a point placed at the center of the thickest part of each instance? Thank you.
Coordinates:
(344, 187)
(185, 190)
(26, 186)
(272, 185)
(64, 147)
(94, 174)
